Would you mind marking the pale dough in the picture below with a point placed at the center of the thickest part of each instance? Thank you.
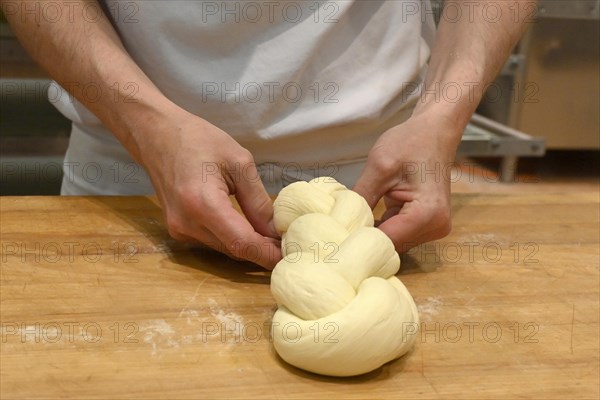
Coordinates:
(342, 312)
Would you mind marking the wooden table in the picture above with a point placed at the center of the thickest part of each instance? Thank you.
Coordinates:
(98, 302)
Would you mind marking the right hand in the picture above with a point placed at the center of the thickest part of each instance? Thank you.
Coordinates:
(194, 167)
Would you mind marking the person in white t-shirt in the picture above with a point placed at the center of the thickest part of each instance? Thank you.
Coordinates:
(199, 100)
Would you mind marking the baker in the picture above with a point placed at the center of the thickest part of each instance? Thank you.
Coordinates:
(199, 100)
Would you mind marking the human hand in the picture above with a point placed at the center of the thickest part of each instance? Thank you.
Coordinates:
(194, 167)
(406, 167)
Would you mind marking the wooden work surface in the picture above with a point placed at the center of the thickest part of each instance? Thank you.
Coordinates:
(98, 302)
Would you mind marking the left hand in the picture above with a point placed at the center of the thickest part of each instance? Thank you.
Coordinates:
(409, 166)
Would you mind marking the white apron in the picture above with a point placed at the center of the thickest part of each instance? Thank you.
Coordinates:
(306, 86)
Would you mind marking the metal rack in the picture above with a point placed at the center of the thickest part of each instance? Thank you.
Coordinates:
(484, 137)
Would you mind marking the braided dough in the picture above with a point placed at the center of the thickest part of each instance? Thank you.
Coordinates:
(342, 312)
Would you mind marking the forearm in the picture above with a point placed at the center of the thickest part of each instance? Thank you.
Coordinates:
(83, 54)
(469, 52)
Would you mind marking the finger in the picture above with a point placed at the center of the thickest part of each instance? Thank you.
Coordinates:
(371, 185)
(390, 212)
(201, 236)
(206, 238)
(211, 243)
(393, 205)
(237, 235)
(407, 229)
(256, 204)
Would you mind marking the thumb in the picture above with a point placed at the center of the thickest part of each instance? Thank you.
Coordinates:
(403, 230)
(370, 185)
(256, 203)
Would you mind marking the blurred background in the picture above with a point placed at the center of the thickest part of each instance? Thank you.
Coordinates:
(539, 122)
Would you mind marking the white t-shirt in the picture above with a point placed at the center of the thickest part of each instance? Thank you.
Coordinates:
(307, 86)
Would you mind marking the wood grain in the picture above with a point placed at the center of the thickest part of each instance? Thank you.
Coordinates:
(98, 302)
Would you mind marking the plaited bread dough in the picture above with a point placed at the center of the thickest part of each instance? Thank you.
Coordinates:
(342, 312)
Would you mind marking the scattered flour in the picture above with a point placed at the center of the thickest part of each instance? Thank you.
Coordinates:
(231, 324)
(158, 333)
(429, 309)
(229, 319)
(482, 238)
(161, 247)
(220, 325)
